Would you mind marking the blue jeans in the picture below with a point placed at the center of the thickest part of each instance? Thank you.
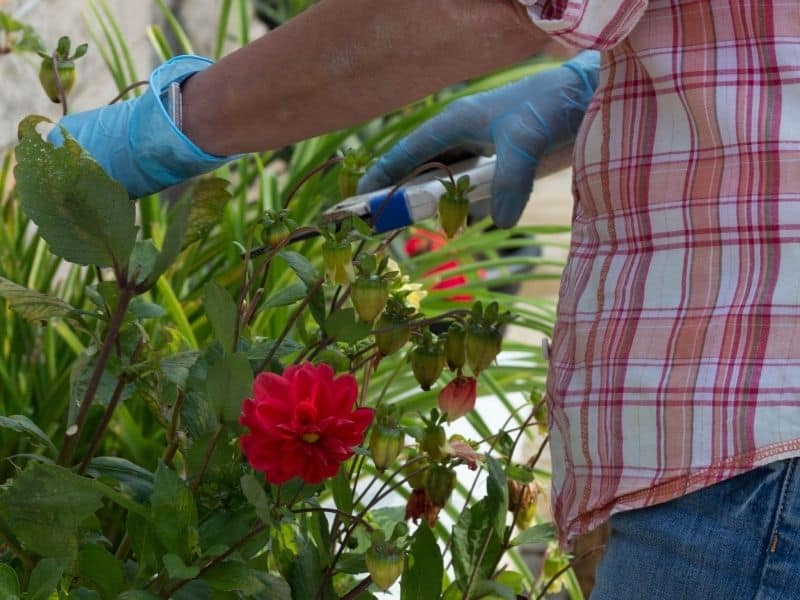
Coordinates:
(738, 539)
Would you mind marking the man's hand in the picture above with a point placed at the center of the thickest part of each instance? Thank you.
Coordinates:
(520, 123)
(136, 142)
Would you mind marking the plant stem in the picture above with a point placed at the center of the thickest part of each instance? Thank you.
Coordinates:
(206, 459)
(166, 593)
(328, 163)
(62, 95)
(172, 437)
(334, 511)
(127, 89)
(420, 169)
(112, 405)
(290, 323)
(357, 591)
(71, 441)
(563, 570)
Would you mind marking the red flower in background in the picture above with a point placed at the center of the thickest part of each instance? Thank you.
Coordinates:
(302, 423)
(422, 240)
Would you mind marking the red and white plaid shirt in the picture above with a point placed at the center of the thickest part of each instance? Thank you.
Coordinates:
(675, 361)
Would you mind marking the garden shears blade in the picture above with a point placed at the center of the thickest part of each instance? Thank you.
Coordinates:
(415, 200)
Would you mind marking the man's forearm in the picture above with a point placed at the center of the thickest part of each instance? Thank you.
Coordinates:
(345, 61)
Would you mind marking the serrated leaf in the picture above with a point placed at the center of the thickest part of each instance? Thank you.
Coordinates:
(422, 577)
(208, 207)
(259, 351)
(230, 381)
(305, 573)
(538, 534)
(44, 506)
(22, 424)
(45, 577)
(300, 265)
(85, 216)
(177, 569)
(174, 513)
(275, 587)
(221, 311)
(253, 490)
(33, 305)
(9, 584)
(288, 295)
(145, 544)
(99, 570)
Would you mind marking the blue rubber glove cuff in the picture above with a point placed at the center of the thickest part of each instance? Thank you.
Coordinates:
(585, 65)
(137, 142)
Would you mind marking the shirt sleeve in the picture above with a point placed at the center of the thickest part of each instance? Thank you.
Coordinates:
(598, 24)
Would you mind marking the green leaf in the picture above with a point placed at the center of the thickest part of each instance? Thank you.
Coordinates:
(519, 473)
(85, 216)
(497, 493)
(208, 207)
(45, 577)
(422, 577)
(486, 588)
(173, 240)
(234, 576)
(288, 295)
(176, 367)
(275, 587)
(22, 424)
(141, 309)
(137, 595)
(131, 478)
(100, 571)
(300, 265)
(230, 381)
(474, 535)
(340, 488)
(317, 306)
(342, 326)
(142, 260)
(253, 490)
(9, 584)
(44, 507)
(145, 544)
(174, 514)
(33, 305)
(221, 312)
(305, 573)
(177, 569)
(538, 534)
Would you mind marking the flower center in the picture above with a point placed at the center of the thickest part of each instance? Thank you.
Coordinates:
(311, 437)
(305, 413)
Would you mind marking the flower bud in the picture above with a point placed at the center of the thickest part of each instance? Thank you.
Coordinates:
(385, 444)
(427, 362)
(369, 295)
(384, 563)
(454, 349)
(457, 398)
(433, 441)
(338, 259)
(440, 484)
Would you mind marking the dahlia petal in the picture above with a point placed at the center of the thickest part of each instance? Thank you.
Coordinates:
(271, 385)
(342, 395)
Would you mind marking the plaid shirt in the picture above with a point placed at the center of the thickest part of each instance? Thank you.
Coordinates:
(675, 361)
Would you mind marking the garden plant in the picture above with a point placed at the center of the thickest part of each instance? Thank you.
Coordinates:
(212, 393)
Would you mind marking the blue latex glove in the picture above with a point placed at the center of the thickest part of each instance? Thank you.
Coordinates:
(136, 142)
(520, 122)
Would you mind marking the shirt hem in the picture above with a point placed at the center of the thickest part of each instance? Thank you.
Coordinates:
(680, 486)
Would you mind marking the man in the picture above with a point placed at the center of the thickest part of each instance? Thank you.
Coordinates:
(674, 384)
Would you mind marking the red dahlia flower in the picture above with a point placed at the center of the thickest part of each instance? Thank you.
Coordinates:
(302, 423)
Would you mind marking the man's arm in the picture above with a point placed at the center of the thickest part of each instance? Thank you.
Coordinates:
(344, 61)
